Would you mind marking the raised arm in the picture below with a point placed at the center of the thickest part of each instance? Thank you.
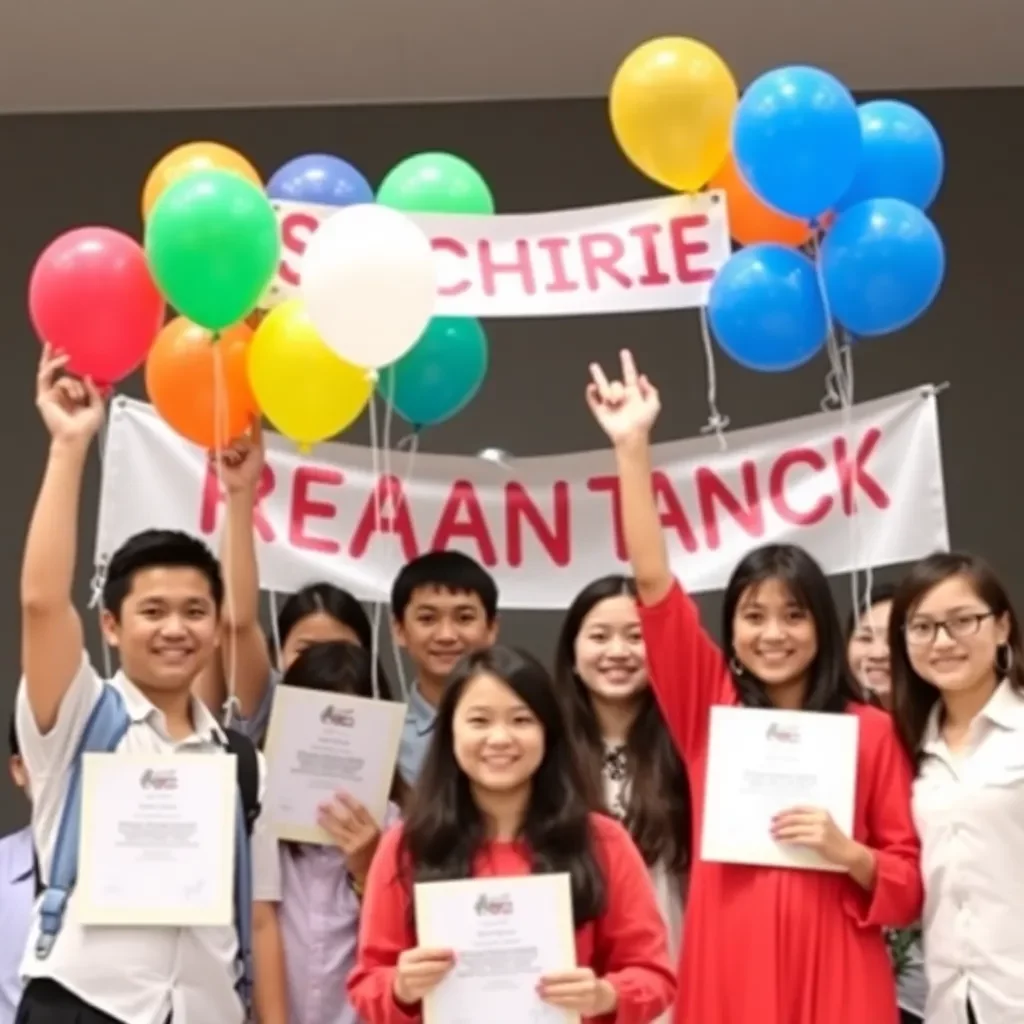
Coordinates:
(688, 672)
(51, 630)
(244, 648)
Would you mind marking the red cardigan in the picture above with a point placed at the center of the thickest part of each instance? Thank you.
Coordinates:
(626, 945)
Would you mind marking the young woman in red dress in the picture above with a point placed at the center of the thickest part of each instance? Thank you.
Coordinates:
(766, 945)
(501, 795)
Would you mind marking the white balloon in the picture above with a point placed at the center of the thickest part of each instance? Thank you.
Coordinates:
(369, 284)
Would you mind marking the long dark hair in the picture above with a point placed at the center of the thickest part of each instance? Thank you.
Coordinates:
(913, 697)
(657, 811)
(831, 686)
(444, 828)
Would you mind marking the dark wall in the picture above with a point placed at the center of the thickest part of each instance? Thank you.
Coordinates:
(61, 171)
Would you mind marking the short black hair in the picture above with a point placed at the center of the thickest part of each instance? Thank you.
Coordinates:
(12, 737)
(447, 570)
(878, 594)
(154, 549)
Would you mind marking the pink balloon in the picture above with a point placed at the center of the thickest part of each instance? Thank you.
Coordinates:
(91, 296)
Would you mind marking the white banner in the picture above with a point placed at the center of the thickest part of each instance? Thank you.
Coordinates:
(623, 258)
(857, 491)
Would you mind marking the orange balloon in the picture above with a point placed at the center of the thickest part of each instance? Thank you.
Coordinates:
(187, 159)
(209, 404)
(751, 220)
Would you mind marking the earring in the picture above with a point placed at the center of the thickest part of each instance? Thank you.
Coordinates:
(736, 666)
(1004, 660)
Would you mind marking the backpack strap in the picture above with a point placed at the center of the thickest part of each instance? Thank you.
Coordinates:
(248, 809)
(104, 730)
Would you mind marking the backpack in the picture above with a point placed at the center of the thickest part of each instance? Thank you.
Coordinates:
(104, 730)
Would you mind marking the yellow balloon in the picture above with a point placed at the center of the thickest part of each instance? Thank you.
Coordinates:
(307, 392)
(672, 102)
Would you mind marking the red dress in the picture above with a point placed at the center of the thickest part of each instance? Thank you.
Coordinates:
(626, 944)
(768, 945)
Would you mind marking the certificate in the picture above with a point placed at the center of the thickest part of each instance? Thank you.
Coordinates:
(157, 843)
(761, 762)
(319, 743)
(505, 933)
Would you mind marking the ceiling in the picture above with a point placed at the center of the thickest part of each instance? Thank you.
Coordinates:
(148, 54)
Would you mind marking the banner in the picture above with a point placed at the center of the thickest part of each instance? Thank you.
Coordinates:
(624, 258)
(855, 490)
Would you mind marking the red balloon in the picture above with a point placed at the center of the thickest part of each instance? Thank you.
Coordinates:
(91, 296)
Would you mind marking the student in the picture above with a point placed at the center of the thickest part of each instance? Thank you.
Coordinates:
(317, 890)
(161, 601)
(317, 613)
(17, 892)
(626, 748)
(762, 944)
(867, 646)
(499, 796)
(958, 684)
(443, 606)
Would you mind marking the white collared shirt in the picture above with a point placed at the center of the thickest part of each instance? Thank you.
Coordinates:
(136, 975)
(969, 811)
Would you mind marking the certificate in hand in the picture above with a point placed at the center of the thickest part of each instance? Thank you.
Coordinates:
(761, 762)
(158, 840)
(505, 933)
(319, 743)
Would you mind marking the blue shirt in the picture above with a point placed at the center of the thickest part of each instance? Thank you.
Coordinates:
(17, 895)
(416, 733)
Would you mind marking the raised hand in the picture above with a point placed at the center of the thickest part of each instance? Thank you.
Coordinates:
(72, 409)
(240, 465)
(625, 409)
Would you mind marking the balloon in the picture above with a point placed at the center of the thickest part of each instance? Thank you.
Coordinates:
(187, 159)
(303, 388)
(901, 157)
(752, 221)
(440, 374)
(765, 308)
(796, 138)
(200, 385)
(91, 297)
(369, 284)
(213, 245)
(320, 178)
(436, 183)
(671, 105)
(882, 265)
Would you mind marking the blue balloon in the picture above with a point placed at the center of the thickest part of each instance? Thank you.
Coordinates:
(440, 374)
(882, 265)
(796, 140)
(901, 157)
(320, 178)
(766, 309)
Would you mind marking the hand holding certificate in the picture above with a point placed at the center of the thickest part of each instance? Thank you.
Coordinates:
(157, 844)
(509, 940)
(319, 744)
(764, 763)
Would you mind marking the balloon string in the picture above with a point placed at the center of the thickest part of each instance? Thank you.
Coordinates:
(375, 485)
(275, 630)
(99, 577)
(220, 442)
(717, 424)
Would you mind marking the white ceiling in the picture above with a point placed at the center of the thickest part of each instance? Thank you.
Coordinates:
(153, 54)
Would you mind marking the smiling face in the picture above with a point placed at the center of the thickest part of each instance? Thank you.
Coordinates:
(961, 653)
(773, 634)
(609, 651)
(868, 649)
(498, 741)
(167, 630)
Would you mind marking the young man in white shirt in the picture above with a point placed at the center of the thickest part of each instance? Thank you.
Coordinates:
(161, 611)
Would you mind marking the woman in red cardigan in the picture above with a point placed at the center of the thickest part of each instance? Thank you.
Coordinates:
(768, 945)
(501, 795)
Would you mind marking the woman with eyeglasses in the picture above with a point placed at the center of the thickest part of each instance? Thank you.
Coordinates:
(958, 687)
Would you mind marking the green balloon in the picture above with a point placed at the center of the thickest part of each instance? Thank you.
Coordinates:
(213, 246)
(436, 183)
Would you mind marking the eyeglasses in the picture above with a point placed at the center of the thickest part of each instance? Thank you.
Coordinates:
(924, 632)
